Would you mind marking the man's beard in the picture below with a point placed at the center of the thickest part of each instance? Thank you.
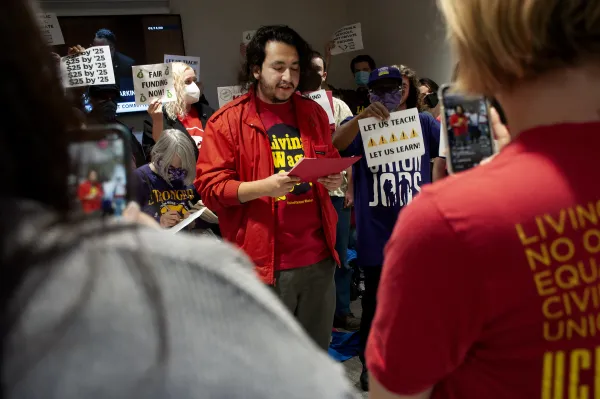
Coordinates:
(269, 92)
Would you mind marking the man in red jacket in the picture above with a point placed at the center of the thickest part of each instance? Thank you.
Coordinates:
(285, 225)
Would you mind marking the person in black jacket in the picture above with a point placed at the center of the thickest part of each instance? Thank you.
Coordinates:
(187, 113)
(103, 99)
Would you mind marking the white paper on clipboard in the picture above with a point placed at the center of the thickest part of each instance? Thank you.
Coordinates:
(181, 225)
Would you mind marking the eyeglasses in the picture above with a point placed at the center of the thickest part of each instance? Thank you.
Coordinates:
(385, 89)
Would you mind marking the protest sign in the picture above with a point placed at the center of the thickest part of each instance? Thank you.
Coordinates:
(194, 62)
(229, 93)
(153, 82)
(321, 98)
(50, 28)
(392, 140)
(347, 39)
(247, 36)
(92, 67)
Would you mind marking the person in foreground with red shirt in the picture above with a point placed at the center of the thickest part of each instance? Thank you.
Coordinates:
(90, 193)
(285, 225)
(189, 113)
(490, 280)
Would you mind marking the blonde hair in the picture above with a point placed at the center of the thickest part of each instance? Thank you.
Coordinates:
(174, 142)
(177, 108)
(502, 42)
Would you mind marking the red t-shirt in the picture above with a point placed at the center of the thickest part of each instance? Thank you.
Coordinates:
(463, 123)
(193, 125)
(94, 192)
(299, 236)
(491, 282)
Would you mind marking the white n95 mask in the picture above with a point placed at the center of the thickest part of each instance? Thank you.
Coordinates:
(192, 93)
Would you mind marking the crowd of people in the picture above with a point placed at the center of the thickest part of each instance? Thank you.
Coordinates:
(481, 285)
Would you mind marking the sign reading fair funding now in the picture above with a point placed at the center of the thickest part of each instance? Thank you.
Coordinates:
(396, 139)
(153, 82)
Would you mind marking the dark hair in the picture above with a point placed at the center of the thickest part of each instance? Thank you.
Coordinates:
(316, 54)
(108, 35)
(256, 54)
(313, 81)
(412, 100)
(363, 58)
(431, 85)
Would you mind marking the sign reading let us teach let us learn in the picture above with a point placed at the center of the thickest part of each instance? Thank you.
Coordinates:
(396, 139)
(153, 82)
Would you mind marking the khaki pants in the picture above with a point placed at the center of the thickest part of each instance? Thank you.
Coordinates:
(309, 293)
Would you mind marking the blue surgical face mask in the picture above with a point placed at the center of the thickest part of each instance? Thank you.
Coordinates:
(361, 78)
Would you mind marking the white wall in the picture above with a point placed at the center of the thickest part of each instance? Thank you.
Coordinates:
(394, 31)
(213, 31)
(405, 32)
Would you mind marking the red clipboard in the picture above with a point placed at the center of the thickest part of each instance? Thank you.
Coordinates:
(309, 169)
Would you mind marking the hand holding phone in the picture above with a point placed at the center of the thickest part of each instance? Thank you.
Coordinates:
(467, 128)
(99, 178)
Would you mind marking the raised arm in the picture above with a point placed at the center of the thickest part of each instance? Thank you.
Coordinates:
(346, 133)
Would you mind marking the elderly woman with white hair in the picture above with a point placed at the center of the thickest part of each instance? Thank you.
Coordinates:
(165, 189)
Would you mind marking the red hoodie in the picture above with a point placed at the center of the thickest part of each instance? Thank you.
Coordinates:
(236, 149)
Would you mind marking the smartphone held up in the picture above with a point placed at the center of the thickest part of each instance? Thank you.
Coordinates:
(466, 129)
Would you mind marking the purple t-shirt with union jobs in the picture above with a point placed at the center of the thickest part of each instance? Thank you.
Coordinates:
(156, 196)
(381, 192)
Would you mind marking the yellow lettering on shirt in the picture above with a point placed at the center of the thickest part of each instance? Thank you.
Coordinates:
(562, 252)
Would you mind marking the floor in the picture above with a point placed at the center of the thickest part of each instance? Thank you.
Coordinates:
(354, 366)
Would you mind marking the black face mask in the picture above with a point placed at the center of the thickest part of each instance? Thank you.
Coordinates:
(106, 111)
(431, 100)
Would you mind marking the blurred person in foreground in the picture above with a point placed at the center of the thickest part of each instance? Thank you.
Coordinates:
(187, 114)
(505, 304)
(343, 200)
(153, 315)
(165, 189)
(287, 227)
(382, 192)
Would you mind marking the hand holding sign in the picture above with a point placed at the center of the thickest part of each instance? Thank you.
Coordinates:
(155, 110)
(91, 67)
(375, 110)
(153, 82)
(393, 140)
